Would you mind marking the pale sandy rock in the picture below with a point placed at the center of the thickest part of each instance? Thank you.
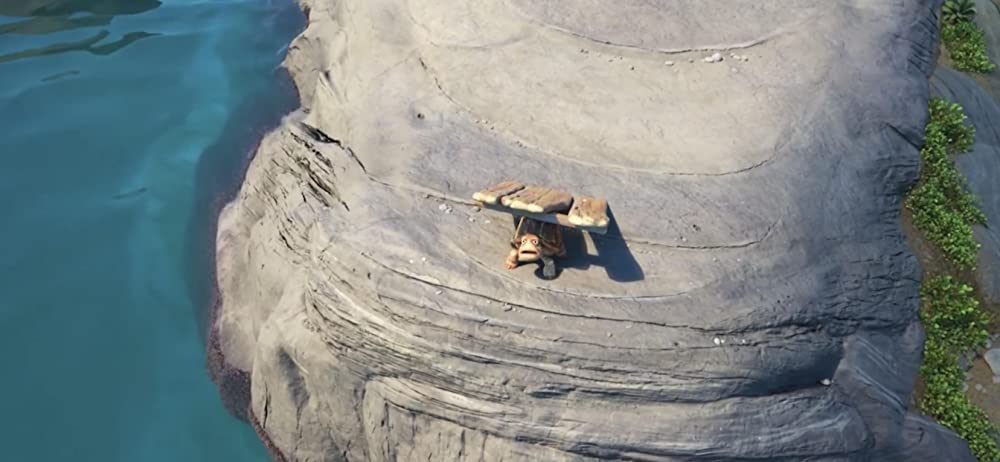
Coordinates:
(754, 251)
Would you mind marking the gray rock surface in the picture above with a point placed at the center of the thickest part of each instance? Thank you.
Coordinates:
(988, 19)
(992, 358)
(981, 166)
(755, 299)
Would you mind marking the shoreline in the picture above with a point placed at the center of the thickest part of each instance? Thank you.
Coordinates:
(233, 384)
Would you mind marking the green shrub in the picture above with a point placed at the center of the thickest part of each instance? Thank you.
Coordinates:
(967, 47)
(943, 209)
(955, 11)
(954, 324)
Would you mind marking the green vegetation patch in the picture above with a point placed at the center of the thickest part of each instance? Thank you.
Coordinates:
(942, 207)
(966, 46)
(954, 324)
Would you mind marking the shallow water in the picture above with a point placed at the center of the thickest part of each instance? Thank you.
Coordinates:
(123, 123)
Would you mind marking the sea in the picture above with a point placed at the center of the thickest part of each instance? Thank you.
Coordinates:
(124, 126)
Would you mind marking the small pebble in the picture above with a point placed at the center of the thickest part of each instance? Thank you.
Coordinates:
(411, 262)
(488, 222)
(965, 387)
(715, 58)
(826, 382)
(717, 341)
(507, 307)
(978, 387)
(437, 292)
(668, 63)
(609, 334)
(472, 220)
(443, 207)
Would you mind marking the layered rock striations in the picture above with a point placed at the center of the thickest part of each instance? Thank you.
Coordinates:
(755, 298)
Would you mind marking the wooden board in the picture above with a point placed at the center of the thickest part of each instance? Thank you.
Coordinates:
(554, 201)
(493, 194)
(547, 205)
(522, 199)
(560, 219)
(537, 199)
(589, 212)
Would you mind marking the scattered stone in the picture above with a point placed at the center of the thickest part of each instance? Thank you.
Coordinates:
(507, 307)
(609, 334)
(826, 382)
(488, 221)
(717, 341)
(965, 362)
(965, 387)
(668, 63)
(715, 58)
(691, 60)
(978, 387)
(411, 262)
(472, 219)
(992, 358)
(438, 292)
(443, 207)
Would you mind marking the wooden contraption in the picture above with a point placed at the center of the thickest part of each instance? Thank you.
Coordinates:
(547, 205)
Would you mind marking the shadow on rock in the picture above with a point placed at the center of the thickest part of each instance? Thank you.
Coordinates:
(612, 253)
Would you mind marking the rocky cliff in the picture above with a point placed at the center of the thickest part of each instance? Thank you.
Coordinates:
(754, 300)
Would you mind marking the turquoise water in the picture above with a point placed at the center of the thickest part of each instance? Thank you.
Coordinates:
(123, 122)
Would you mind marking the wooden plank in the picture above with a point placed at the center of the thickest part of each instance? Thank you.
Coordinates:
(560, 219)
(522, 199)
(589, 212)
(552, 202)
(536, 199)
(493, 194)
